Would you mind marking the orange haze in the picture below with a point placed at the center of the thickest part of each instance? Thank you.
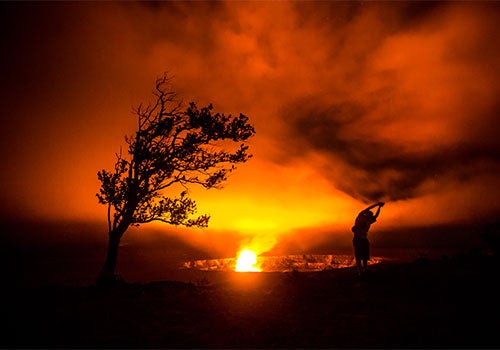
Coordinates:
(352, 102)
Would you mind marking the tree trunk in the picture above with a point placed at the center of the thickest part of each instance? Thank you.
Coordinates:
(107, 276)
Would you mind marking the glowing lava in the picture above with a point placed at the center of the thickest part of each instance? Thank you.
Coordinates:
(246, 262)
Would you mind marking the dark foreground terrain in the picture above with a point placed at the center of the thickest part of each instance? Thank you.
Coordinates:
(450, 303)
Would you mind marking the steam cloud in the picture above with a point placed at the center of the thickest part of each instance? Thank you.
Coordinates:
(395, 102)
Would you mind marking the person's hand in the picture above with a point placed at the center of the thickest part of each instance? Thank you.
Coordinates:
(381, 204)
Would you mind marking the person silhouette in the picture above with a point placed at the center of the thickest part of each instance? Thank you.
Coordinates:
(360, 241)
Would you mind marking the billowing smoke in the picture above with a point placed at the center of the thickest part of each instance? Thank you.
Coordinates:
(353, 102)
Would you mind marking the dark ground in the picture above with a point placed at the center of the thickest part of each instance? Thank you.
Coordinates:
(445, 303)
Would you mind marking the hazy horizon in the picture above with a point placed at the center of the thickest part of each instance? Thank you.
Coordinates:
(37, 253)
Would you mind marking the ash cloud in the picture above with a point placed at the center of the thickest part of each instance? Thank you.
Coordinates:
(418, 106)
(391, 101)
(372, 169)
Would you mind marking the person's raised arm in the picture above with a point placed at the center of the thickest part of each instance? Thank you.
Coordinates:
(380, 205)
(374, 205)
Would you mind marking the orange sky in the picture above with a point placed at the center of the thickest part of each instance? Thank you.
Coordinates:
(352, 103)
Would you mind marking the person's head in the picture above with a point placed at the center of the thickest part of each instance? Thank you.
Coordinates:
(367, 213)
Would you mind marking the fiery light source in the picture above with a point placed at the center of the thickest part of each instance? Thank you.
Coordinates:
(246, 261)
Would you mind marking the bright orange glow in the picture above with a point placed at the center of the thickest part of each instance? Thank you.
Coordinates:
(253, 202)
(246, 262)
(315, 162)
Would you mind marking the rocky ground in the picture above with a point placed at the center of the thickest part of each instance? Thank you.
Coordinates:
(450, 302)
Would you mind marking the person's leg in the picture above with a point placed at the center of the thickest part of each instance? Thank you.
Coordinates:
(358, 263)
(367, 256)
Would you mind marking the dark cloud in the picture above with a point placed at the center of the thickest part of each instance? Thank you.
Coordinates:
(371, 169)
(409, 118)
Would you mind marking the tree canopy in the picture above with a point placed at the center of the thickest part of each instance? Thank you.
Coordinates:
(171, 146)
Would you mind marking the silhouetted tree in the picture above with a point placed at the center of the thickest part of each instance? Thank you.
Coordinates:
(172, 145)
